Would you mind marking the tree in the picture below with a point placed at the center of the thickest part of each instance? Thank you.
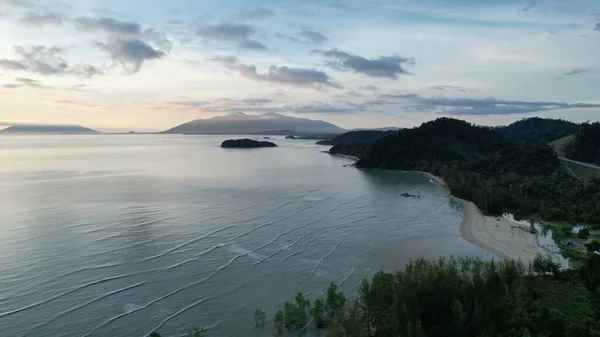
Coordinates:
(259, 317)
(583, 233)
(154, 334)
(593, 246)
(545, 264)
(318, 313)
(279, 321)
(335, 301)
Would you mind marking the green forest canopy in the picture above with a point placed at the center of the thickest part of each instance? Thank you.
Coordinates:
(459, 297)
(482, 164)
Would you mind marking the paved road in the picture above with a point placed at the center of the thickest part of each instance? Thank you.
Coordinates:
(580, 163)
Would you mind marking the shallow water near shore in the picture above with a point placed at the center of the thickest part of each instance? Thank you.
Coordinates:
(119, 235)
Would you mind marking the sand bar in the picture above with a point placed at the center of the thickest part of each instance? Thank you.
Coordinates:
(497, 235)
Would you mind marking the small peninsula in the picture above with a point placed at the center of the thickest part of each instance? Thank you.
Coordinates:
(246, 144)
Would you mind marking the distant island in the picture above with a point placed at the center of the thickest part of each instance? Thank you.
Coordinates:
(265, 124)
(26, 129)
(246, 144)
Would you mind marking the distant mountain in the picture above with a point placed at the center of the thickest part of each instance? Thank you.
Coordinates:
(48, 129)
(269, 123)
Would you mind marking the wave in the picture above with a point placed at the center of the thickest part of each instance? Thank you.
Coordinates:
(63, 313)
(87, 285)
(355, 266)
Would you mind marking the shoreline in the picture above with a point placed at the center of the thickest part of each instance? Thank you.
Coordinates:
(345, 156)
(498, 236)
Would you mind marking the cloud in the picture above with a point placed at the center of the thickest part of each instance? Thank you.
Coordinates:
(337, 5)
(18, 3)
(313, 36)
(530, 6)
(448, 88)
(260, 105)
(225, 59)
(241, 34)
(369, 88)
(86, 70)
(302, 77)
(383, 66)
(576, 71)
(130, 53)
(128, 43)
(597, 27)
(473, 106)
(76, 105)
(38, 59)
(25, 82)
(46, 61)
(255, 14)
(39, 19)
(107, 24)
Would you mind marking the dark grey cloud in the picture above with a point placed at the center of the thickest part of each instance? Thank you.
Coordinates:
(576, 71)
(25, 82)
(86, 71)
(107, 24)
(369, 88)
(46, 61)
(305, 35)
(383, 66)
(130, 53)
(349, 94)
(448, 88)
(530, 6)
(175, 22)
(225, 59)
(255, 14)
(128, 44)
(262, 105)
(18, 3)
(337, 5)
(37, 59)
(39, 19)
(240, 34)
(473, 106)
(302, 77)
(313, 36)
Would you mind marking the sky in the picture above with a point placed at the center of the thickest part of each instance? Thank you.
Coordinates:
(148, 65)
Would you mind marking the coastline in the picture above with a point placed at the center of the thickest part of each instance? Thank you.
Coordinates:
(499, 236)
(345, 156)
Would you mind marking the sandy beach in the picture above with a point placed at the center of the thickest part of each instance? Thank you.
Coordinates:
(499, 236)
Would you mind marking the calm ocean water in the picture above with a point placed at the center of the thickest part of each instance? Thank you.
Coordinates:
(119, 235)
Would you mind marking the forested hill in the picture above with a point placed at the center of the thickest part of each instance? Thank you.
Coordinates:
(357, 137)
(539, 130)
(354, 143)
(586, 145)
(497, 173)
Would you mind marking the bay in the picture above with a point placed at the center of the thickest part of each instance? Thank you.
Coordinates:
(119, 235)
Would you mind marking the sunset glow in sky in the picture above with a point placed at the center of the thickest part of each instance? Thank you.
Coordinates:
(149, 65)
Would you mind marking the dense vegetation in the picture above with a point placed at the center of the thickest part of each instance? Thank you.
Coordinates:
(586, 145)
(354, 143)
(497, 173)
(246, 143)
(538, 130)
(464, 297)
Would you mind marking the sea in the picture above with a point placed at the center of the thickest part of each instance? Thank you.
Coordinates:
(122, 235)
